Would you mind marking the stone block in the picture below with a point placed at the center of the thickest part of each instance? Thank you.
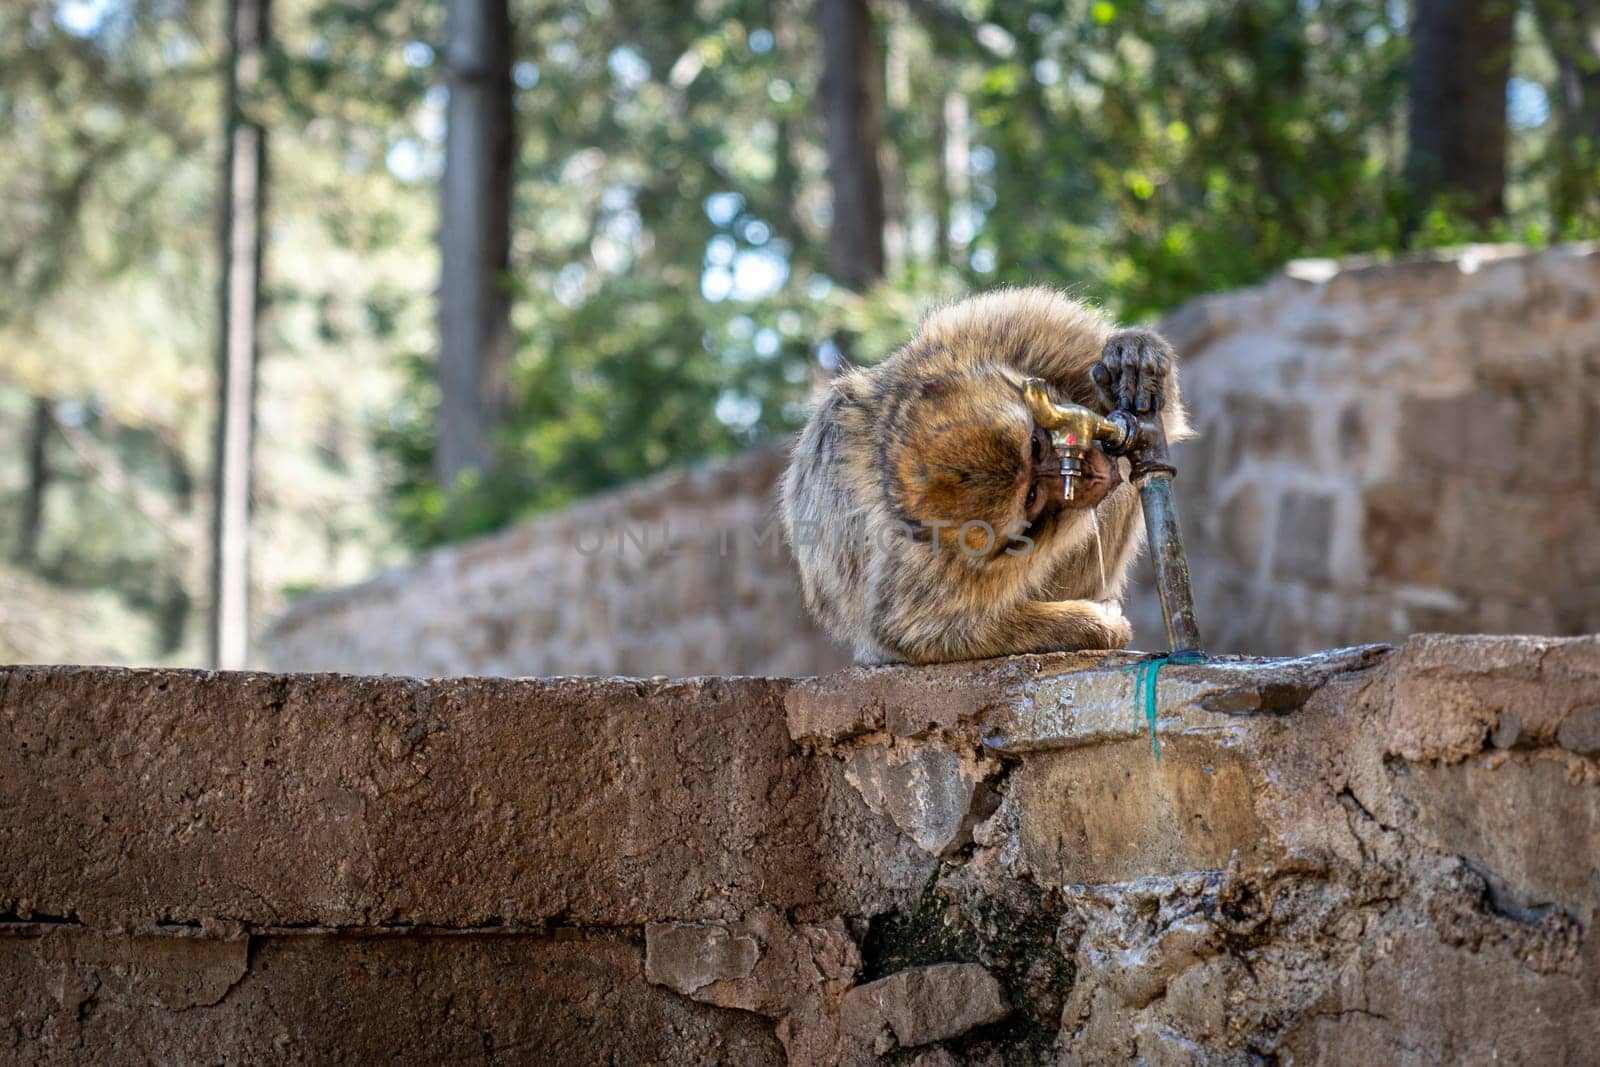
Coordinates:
(457, 998)
(1444, 695)
(1302, 548)
(1479, 811)
(1464, 433)
(1113, 812)
(690, 956)
(1261, 426)
(1509, 544)
(1242, 537)
(1407, 532)
(926, 789)
(921, 1005)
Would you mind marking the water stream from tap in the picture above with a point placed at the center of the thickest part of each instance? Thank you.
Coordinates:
(1099, 553)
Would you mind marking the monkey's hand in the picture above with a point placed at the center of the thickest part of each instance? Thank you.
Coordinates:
(1132, 372)
(1065, 625)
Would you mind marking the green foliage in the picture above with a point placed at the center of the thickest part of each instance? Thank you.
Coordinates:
(1138, 153)
(110, 124)
(671, 297)
(1193, 147)
(661, 268)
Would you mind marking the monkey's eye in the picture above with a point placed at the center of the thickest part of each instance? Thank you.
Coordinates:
(1037, 445)
(1033, 494)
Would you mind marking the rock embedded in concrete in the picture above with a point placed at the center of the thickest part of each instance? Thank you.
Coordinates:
(1580, 730)
(921, 1005)
(927, 790)
(687, 957)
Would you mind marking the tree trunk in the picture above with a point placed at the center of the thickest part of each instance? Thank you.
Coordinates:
(955, 184)
(1571, 29)
(475, 339)
(26, 551)
(175, 604)
(852, 94)
(244, 186)
(1460, 63)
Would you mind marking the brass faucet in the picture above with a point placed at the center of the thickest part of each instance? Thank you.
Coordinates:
(1074, 430)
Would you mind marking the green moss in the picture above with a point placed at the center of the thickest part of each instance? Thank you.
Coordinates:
(1015, 936)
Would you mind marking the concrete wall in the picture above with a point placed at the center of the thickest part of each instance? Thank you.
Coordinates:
(1384, 449)
(1368, 856)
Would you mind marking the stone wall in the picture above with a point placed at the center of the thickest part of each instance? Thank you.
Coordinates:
(1383, 449)
(1361, 856)
(685, 573)
(1391, 448)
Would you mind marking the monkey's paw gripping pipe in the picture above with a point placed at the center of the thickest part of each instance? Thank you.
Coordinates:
(1074, 430)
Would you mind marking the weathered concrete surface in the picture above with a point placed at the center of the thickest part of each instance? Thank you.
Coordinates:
(137, 797)
(1387, 856)
(1333, 860)
(319, 998)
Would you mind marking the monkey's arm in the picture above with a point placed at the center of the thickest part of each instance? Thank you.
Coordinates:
(1031, 626)
(911, 625)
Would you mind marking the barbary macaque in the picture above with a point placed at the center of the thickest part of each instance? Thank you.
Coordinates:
(925, 504)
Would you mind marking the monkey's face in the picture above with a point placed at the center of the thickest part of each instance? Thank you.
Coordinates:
(966, 450)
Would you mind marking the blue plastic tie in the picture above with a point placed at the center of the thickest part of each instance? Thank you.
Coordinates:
(1145, 673)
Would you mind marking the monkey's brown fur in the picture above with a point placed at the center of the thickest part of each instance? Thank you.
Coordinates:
(895, 458)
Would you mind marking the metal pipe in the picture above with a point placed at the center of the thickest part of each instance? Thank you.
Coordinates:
(1146, 449)
(1172, 565)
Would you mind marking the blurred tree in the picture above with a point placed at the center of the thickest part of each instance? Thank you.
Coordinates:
(36, 483)
(1571, 30)
(105, 113)
(109, 155)
(1460, 63)
(475, 338)
(242, 199)
(851, 94)
(667, 274)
